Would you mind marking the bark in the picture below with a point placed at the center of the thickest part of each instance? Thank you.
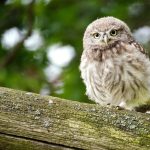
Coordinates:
(29, 121)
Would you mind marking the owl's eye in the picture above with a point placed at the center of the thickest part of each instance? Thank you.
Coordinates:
(96, 35)
(113, 32)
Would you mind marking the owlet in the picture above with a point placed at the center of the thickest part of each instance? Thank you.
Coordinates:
(114, 67)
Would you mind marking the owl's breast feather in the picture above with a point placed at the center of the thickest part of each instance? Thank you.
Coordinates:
(124, 78)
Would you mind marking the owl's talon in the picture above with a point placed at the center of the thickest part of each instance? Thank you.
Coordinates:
(120, 108)
(108, 105)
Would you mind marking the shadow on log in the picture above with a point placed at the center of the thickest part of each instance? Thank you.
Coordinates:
(29, 121)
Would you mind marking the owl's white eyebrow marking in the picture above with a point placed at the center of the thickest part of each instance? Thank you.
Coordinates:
(115, 28)
(96, 32)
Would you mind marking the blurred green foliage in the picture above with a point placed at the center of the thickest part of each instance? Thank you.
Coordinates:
(58, 21)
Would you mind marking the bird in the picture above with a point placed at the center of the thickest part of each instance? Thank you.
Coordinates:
(114, 67)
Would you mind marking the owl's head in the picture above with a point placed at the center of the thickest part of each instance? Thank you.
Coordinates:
(104, 32)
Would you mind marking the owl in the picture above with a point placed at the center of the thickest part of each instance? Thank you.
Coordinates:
(114, 67)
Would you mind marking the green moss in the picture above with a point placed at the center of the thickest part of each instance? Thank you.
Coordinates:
(74, 124)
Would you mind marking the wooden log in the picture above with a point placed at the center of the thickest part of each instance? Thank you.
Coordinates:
(29, 121)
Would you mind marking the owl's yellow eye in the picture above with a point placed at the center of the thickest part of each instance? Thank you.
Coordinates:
(96, 35)
(113, 32)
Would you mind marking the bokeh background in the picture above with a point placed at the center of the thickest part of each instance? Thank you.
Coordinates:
(41, 41)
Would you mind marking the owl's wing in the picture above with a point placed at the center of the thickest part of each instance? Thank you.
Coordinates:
(139, 47)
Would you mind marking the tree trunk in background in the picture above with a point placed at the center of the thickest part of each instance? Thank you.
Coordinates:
(29, 121)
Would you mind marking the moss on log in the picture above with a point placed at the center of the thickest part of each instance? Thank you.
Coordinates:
(30, 121)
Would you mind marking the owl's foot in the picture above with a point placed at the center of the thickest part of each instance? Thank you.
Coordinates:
(123, 105)
(120, 108)
(115, 107)
(108, 105)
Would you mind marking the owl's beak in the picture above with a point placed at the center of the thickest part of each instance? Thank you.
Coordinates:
(105, 39)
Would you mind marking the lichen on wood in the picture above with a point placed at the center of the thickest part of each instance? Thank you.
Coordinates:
(29, 120)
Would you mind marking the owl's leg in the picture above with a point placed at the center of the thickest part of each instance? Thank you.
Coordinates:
(123, 105)
(120, 108)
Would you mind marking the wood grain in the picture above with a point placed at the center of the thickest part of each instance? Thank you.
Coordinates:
(30, 121)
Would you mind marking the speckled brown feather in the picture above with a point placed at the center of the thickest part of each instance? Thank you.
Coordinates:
(139, 47)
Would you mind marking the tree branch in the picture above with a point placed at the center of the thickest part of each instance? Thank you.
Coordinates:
(12, 53)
